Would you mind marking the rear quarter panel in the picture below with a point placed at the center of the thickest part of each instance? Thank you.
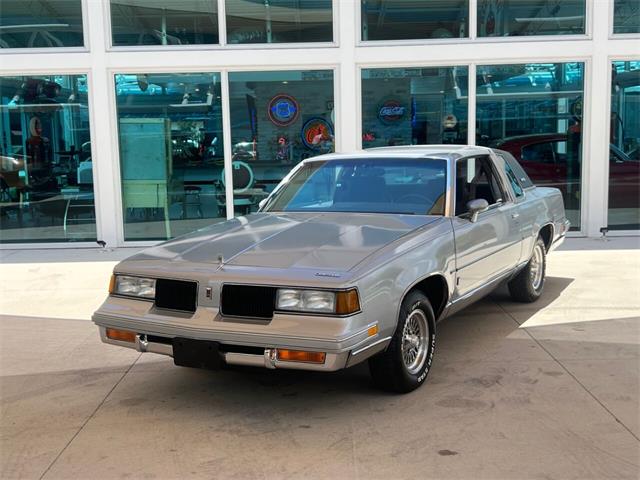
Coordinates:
(542, 206)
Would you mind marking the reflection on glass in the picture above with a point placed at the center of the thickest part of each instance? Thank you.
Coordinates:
(534, 112)
(42, 24)
(377, 185)
(624, 150)
(414, 19)
(164, 22)
(409, 106)
(499, 18)
(171, 153)
(626, 16)
(279, 21)
(277, 120)
(46, 179)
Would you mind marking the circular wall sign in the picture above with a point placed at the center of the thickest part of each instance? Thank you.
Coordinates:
(312, 128)
(283, 110)
(450, 121)
(391, 111)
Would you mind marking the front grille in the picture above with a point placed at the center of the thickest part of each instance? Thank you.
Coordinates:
(248, 301)
(176, 295)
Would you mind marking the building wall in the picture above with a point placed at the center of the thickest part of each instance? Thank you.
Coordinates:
(347, 55)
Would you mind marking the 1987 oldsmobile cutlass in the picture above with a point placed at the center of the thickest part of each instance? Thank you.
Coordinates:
(352, 257)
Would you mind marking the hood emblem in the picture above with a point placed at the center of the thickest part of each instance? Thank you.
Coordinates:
(328, 274)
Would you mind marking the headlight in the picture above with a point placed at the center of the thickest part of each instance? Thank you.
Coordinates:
(318, 301)
(134, 286)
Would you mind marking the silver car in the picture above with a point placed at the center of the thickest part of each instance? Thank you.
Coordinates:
(352, 257)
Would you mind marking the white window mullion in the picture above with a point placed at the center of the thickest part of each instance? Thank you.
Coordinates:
(473, 19)
(471, 105)
(226, 136)
(222, 21)
(346, 84)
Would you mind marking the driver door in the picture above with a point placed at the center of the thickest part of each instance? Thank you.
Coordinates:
(491, 246)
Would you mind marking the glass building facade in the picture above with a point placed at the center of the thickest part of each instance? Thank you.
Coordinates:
(414, 106)
(171, 152)
(46, 169)
(500, 18)
(139, 120)
(279, 21)
(42, 24)
(277, 120)
(535, 112)
(624, 149)
(414, 19)
(164, 22)
(626, 16)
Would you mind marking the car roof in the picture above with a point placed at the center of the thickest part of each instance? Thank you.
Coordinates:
(409, 151)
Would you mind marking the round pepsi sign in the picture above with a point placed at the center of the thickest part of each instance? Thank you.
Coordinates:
(283, 110)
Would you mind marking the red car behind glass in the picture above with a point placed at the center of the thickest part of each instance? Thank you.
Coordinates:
(545, 158)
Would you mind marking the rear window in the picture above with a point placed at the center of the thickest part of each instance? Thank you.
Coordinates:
(517, 169)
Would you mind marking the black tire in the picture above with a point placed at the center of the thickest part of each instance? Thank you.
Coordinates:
(388, 369)
(526, 286)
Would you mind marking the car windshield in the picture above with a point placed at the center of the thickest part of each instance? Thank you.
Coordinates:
(367, 185)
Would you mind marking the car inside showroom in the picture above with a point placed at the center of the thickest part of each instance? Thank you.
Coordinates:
(294, 193)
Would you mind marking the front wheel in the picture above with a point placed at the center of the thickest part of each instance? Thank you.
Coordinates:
(528, 284)
(404, 365)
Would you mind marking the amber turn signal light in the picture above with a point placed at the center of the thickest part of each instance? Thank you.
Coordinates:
(371, 331)
(301, 356)
(121, 335)
(112, 284)
(347, 302)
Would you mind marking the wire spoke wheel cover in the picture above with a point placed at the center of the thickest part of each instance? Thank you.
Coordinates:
(536, 270)
(415, 338)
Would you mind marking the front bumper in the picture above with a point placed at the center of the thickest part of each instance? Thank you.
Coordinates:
(262, 356)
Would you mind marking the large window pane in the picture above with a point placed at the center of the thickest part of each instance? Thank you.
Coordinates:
(626, 16)
(41, 24)
(277, 120)
(534, 111)
(279, 21)
(624, 151)
(164, 22)
(171, 153)
(46, 180)
(406, 106)
(414, 19)
(513, 18)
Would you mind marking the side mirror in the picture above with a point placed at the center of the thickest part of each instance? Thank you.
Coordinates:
(475, 207)
(262, 203)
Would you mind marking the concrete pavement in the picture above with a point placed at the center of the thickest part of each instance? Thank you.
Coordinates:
(549, 390)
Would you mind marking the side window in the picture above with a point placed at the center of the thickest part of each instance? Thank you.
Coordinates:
(475, 178)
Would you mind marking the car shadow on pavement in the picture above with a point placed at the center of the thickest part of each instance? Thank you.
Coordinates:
(485, 324)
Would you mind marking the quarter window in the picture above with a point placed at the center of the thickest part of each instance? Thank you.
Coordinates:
(517, 189)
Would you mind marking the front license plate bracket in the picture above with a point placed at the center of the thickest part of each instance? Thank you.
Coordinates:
(188, 352)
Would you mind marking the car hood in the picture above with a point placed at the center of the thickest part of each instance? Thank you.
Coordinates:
(325, 241)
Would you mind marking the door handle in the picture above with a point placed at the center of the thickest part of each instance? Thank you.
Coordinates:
(515, 215)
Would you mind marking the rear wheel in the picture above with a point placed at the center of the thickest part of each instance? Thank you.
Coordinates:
(527, 286)
(404, 365)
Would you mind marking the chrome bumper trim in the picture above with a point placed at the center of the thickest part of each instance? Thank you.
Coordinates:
(333, 361)
(384, 341)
